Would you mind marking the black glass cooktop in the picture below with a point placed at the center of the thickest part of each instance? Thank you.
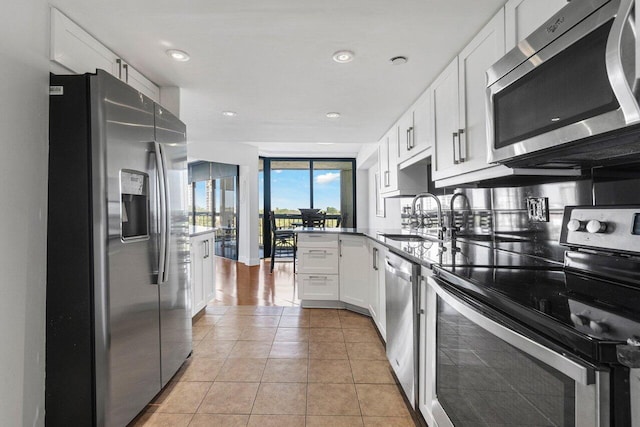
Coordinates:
(573, 310)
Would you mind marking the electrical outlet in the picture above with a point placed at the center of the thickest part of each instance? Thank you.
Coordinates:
(538, 209)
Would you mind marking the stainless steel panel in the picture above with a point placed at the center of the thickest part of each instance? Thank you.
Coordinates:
(127, 321)
(620, 68)
(553, 28)
(402, 321)
(175, 290)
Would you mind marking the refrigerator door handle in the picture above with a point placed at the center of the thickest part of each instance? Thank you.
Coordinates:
(162, 185)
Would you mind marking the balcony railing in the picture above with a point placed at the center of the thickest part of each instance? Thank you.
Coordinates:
(292, 221)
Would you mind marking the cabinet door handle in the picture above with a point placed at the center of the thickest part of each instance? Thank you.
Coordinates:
(411, 138)
(204, 248)
(462, 145)
(453, 139)
(375, 259)
(386, 178)
(126, 72)
(340, 248)
(119, 62)
(408, 139)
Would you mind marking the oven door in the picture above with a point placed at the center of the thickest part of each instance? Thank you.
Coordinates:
(487, 373)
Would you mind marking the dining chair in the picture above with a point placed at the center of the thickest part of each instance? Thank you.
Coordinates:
(315, 220)
(283, 241)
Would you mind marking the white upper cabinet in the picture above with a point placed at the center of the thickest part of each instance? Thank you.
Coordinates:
(136, 80)
(79, 52)
(459, 105)
(389, 161)
(75, 49)
(414, 128)
(474, 60)
(446, 122)
(522, 17)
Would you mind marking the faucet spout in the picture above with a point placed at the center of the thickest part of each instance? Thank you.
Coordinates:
(452, 222)
(438, 205)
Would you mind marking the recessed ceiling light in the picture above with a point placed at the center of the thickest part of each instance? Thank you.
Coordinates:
(343, 56)
(229, 113)
(178, 55)
(333, 115)
(399, 60)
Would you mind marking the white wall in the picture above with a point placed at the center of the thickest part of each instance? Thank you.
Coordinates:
(24, 120)
(246, 156)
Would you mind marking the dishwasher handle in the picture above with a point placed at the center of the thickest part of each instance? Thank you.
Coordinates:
(396, 271)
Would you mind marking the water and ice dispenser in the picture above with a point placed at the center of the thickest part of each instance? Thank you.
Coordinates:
(134, 197)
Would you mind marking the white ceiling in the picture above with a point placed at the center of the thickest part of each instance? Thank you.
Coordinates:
(270, 61)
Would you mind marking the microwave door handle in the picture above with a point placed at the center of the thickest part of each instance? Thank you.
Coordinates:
(619, 84)
(162, 259)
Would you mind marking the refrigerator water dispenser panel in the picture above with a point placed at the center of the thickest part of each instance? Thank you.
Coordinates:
(134, 206)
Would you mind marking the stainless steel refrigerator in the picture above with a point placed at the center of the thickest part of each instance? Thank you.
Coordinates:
(118, 293)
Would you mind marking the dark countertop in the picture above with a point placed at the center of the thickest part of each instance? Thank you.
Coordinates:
(196, 230)
(424, 253)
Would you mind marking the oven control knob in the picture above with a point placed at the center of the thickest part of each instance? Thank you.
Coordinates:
(598, 327)
(579, 320)
(576, 225)
(595, 226)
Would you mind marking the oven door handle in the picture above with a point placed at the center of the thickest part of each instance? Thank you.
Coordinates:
(578, 372)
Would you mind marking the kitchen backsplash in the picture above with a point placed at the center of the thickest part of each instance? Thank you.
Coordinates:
(502, 214)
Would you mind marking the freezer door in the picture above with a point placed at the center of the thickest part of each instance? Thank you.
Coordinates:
(124, 200)
(175, 285)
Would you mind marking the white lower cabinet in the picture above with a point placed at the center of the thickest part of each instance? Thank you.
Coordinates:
(203, 271)
(319, 286)
(354, 263)
(318, 267)
(317, 260)
(377, 305)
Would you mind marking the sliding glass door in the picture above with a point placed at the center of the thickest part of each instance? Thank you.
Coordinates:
(288, 185)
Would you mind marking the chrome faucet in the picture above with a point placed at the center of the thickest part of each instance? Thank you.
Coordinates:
(414, 215)
(452, 219)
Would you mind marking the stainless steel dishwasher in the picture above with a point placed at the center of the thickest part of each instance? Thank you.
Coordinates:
(401, 285)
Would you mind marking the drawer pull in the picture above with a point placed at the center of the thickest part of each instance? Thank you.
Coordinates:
(317, 251)
(318, 277)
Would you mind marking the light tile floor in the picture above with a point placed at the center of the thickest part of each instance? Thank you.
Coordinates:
(281, 366)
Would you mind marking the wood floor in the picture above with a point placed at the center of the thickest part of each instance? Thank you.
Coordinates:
(239, 284)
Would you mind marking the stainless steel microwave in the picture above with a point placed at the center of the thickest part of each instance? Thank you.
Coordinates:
(568, 94)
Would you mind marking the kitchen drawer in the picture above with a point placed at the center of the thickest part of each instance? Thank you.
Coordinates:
(317, 240)
(318, 286)
(318, 260)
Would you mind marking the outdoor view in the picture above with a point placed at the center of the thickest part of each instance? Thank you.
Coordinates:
(302, 184)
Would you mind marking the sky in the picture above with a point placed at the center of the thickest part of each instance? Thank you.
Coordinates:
(290, 189)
